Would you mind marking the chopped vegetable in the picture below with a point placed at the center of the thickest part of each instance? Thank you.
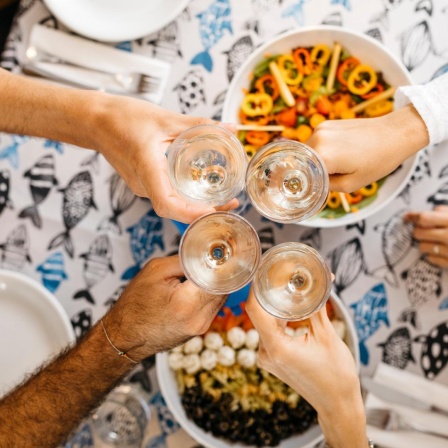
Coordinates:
(302, 59)
(289, 71)
(267, 82)
(345, 68)
(354, 198)
(257, 138)
(334, 200)
(375, 91)
(369, 190)
(323, 105)
(316, 120)
(320, 54)
(287, 117)
(362, 79)
(303, 133)
(379, 108)
(285, 93)
(257, 104)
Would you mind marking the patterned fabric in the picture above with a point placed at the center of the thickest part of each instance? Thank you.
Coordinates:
(398, 301)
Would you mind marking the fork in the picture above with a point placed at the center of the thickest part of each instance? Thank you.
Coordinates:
(131, 82)
(390, 420)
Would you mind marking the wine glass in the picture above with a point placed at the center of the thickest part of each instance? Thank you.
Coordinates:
(207, 164)
(287, 182)
(292, 282)
(220, 252)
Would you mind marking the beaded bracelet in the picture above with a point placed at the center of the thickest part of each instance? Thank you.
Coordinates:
(120, 352)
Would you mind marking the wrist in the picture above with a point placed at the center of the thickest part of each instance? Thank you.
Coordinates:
(344, 424)
(409, 128)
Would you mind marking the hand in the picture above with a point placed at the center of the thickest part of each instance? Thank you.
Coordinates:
(431, 230)
(157, 312)
(361, 151)
(320, 367)
(134, 136)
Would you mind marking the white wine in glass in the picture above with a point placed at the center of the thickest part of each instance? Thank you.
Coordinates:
(220, 252)
(207, 164)
(287, 182)
(292, 282)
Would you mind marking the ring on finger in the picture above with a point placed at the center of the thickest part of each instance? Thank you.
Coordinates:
(436, 249)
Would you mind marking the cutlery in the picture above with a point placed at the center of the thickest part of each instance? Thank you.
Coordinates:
(391, 395)
(132, 82)
(68, 77)
(390, 420)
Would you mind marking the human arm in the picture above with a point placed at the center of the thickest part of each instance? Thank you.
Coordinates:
(156, 312)
(431, 232)
(360, 151)
(133, 135)
(320, 367)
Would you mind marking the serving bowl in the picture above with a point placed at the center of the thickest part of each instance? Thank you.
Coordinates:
(168, 385)
(368, 51)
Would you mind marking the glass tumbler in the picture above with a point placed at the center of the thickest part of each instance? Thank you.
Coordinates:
(287, 182)
(207, 164)
(122, 419)
(293, 281)
(220, 252)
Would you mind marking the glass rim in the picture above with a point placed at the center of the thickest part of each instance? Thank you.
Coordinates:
(172, 152)
(256, 264)
(277, 249)
(280, 145)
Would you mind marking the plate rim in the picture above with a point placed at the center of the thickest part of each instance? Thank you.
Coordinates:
(49, 297)
(55, 5)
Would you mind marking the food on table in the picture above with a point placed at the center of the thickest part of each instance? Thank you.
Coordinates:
(224, 392)
(301, 89)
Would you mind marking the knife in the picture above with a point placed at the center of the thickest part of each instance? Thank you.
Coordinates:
(393, 396)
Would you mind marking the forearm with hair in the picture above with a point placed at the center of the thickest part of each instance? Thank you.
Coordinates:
(36, 108)
(44, 410)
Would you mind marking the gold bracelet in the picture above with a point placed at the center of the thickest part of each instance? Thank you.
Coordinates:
(120, 352)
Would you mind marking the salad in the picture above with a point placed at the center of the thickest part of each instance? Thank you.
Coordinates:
(290, 94)
(225, 393)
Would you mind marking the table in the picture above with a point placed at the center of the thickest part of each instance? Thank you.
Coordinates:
(396, 309)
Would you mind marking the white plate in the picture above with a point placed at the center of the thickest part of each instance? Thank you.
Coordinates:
(116, 20)
(309, 439)
(33, 327)
(369, 51)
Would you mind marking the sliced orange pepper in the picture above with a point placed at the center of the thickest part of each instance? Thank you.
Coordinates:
(354, 197)
(289, 133)
(362, 79)
(287, 117)
(346, 66)
(303, 133)
(323, 105)
(257, 138)
(269, 82)
(302, 59)
(257, 104)
(375, 91)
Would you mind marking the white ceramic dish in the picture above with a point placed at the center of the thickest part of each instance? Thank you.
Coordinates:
(33, 327)
(365, 48)
(309, 439)
(116, 20)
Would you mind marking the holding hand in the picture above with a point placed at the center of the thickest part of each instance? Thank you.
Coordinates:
(361, 151)
(157, 312)
(431, 231)
(135, 141)
(320, 367)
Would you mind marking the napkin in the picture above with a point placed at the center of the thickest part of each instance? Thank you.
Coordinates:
(95, 56)
(416, 387)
